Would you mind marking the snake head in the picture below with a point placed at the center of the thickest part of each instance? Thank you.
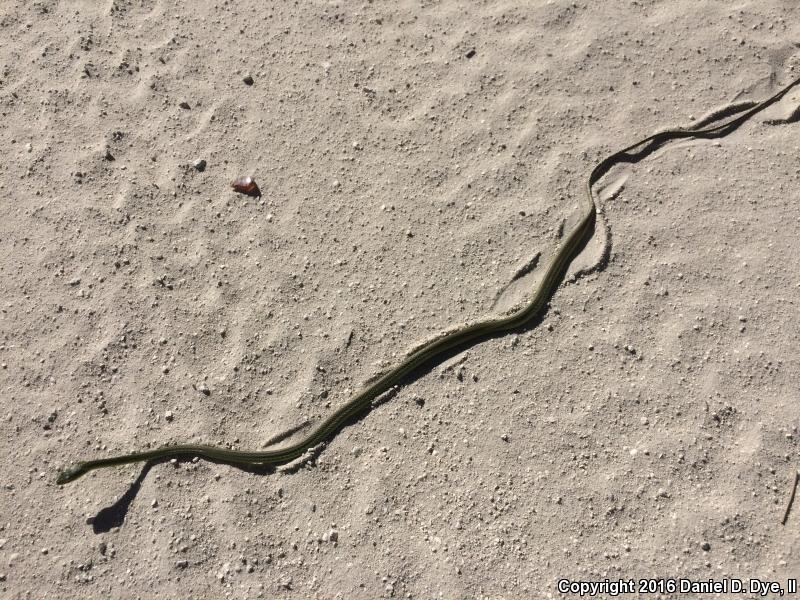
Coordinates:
(71, 473)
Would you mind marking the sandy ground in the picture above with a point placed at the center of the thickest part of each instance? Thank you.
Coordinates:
(412, 157)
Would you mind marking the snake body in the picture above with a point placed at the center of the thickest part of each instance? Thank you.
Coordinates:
(435, 349)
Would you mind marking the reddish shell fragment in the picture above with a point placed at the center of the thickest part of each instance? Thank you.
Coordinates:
(246, 185)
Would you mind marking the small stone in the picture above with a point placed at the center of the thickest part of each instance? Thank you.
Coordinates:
(154, 503)
(706, 546)
(28, 147)
(102, 547)
(356, 451)
(203, 389)
(248, 79)
(184, 105)
(336, 183)
(182, 564)
(165, 369)
(74, 282)
(470, 53)
(504, 437)
(285, 583)
(333, 535)
(108, 156)
(199, 164)
(168, 415)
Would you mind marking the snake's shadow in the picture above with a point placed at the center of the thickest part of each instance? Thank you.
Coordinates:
(114, 515)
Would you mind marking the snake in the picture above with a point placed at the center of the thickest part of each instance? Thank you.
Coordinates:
(443, 345)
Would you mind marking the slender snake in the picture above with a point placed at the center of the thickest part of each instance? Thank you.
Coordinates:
(435, 349)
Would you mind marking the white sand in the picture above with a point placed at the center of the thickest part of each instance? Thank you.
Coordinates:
(129, 284)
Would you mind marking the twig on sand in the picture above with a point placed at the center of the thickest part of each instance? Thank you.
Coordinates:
(791, 496)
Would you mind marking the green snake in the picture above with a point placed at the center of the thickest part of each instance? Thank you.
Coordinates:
(437, 348)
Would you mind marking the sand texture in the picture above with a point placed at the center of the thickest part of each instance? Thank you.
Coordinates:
(412, 156)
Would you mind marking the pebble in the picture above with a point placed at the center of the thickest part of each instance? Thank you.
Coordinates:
(75, 281)
(336, 183)
(248, 79)
(203, 389)
(182, 564)
(285, 583)
(168, 415)
(107, 155)
(225, 570)
(28, 147)
(184, 105)
(706, 546)
(199, 164)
